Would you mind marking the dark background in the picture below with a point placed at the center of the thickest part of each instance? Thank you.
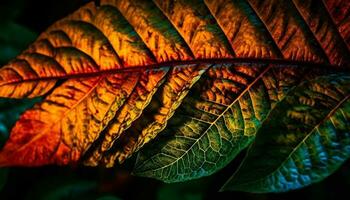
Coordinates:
(20, 23)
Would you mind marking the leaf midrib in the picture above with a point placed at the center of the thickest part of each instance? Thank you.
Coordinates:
(275, 61)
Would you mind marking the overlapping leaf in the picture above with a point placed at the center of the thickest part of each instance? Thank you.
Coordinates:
(204, 75)
(217, 121)
(314, 142)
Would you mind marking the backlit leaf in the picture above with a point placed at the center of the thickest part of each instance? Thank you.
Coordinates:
(200, 78)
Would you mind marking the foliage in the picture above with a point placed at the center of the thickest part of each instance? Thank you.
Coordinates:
(194, 83)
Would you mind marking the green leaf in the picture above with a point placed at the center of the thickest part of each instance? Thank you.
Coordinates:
(207, 132)
(14, 38)
(305, 139)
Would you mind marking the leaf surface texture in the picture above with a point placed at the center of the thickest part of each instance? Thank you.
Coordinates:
(197, 78)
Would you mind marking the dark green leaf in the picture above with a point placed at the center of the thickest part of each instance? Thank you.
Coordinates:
(13, 39)
(305, 139)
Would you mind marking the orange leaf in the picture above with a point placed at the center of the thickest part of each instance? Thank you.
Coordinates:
(126, 66)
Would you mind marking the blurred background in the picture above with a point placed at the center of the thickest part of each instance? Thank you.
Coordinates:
(20, 23)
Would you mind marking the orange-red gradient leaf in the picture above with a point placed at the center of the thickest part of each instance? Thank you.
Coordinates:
(116, 75)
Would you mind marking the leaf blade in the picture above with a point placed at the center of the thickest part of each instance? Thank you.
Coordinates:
(224, 131)
(129, 43)
(119, 38)
(70, 108)
(304, 156)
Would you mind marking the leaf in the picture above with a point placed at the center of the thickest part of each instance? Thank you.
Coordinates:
(305, 139)
(202, 147)
(338, 9)
(175, 88)
(13, 39)
(78, 107)
(116, 38)
(10, 111)
(216, 122)
(204, 75)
